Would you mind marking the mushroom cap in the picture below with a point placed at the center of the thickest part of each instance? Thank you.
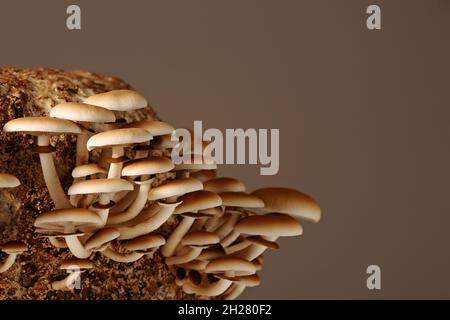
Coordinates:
(82, 112)
(118, 138)
(241, 199)
(274, 224)
(150, 165)
(85, 170)
(101, 237)
(151, 240)
(200, 163)
(95, 186)
(211, 253)
(224, 184)
(251, 280)
(263, 242)
(174, 188)
(118, 100)
(156, 128)
(39, 126)
(230, 264)
(14, 247)
(200, 238)
(198, 200)
(8, 181)
(165, 142)
(216, 211)
(76, 263)
(289, 201)
(204, 175)
(78, 217)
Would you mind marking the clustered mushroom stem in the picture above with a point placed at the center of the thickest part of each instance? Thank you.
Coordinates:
(175, 237)
(67, 282)
(115, 168)
(57, 243)
(76, 247)
(253, 251)
(51, 176)
(8, 262)
(82, 153)
(191, 255)
(235, 292)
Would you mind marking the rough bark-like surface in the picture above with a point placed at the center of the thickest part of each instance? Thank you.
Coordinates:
(32, 92)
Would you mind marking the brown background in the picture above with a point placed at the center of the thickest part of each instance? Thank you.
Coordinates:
(363, 115)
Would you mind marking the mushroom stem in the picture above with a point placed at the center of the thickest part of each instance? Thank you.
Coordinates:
(122, 257)
(192, 254)
(237, 247)
(67, 282)
(115, 169)
(82, 153)
(57, 243)
(228, 226)
(76, 247)
(229, 239)
(51, 176)
(125, 202)
(210, 290)
(253, 251)
(135, 208)
(8, 262)
(235, 292)
(216, 222)
(175, 237)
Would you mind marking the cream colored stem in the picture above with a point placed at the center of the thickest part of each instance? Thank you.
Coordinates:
(125, 202)
(215, 223)
(237, 247)
(122, 257)
(235, 292)
(115, 169)
(57, 243)
(8, 262)
(174, 239)
(76, 247)
(67, 282)
(211, 290)
(82, 155)
(229, 239)
(134, 209)
(253, 251)
(150, 224)
(199, 224)
(192, 254)
(51, 176)
(228, 226)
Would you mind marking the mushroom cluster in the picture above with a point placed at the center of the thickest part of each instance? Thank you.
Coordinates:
(117, 203)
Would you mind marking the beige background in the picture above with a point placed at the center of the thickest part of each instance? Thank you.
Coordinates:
(364, 116)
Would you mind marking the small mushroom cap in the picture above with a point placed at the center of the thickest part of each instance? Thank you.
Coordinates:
(289, 201)
(212, 253)
(8, 181)
(76, 263)
(274, 224)
(151, 240)
(96, 186)
(39, 126)
(230, 264)
(82, 112)
(165, 142)
(150, 165)
(200, 238)
(241, 199)
(223, 184)
(85, 170)
(263, 242)
(251, 280)
(174, 188)
(14, 247)
(101, 237)
(204, 175)
(195, 163)
(118, 100)
(156, 128)
(198, 200)
(60, 217)
(216, 211)
(118, 138)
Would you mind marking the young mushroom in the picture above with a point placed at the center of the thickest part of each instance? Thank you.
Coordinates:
(99, 240)
(43, 128)
(75, 267)
(80, 172)
(147, 244)
(12, 249)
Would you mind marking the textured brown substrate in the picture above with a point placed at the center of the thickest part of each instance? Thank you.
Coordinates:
(32, 92)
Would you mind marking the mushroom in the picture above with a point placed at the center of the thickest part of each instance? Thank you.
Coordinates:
(84, 114)
(191, 202)
(8, 181)
(197, 162)
(12, 249)
(74, 266)
(101, 238)
(80, 172)
(224, 184)
(172, 189)
(142, 168)
(43, 128)
(239, 285)
(146, 244)
(204, 175)
(64, 223)
(197, 241)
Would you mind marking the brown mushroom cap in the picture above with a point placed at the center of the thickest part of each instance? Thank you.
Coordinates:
(156, 128)
(96, 186)
(273, 224)
(14, 247)
(200, 238)
(251, 280)
(85, 170)
(118, 138)
(150, 165)
(230, 264)
(198, 200)
(39, 126)
(118, 100)
(151, 240)
(82, 112)
(76, 263)
(174, 188)
(212, 253)
(79, 217)
(101, 237)
(289, 201)
(216, 211)
(263, 242)
(165, 142)
(240, 199)
(8, 181)
(224, 184)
